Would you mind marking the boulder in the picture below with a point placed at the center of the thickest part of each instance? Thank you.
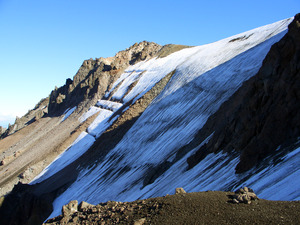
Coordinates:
(180, 191)
(244, 195)
(70, 208)
(140, 221)
(84, 205)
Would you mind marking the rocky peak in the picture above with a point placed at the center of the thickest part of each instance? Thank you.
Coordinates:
(95, 76)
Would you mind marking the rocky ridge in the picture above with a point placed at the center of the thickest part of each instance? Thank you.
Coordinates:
(95, 77)
(181, 208)
(89, 84)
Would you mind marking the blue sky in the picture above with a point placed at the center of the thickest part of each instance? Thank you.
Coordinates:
(42, 43)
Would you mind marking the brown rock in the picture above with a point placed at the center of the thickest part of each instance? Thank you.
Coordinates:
(179, 191)
(84, 205)
(140, 221)
(244, 195)
(70, 208)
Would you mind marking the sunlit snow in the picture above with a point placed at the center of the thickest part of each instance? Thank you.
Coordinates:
(92, 111)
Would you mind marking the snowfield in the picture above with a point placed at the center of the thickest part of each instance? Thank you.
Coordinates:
(205, 77)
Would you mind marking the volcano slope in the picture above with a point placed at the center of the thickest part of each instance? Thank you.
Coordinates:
(152, 119)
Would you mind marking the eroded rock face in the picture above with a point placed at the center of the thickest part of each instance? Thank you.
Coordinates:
(94, 77)
(32, 115)
(2, 130)
(264, 113)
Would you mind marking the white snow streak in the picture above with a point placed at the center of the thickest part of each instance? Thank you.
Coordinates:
(113, 106)
(93, 110)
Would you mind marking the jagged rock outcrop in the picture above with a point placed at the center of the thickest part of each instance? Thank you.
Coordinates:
(32, 115)
(94, 77)
(264, 113)
(2, 130)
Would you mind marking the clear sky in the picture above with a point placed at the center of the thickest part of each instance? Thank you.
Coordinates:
(44, 42)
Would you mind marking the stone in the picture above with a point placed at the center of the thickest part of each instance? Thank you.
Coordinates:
(244, 195)
(180, 191)
(84, 205)
(70, 208)
(140, 221)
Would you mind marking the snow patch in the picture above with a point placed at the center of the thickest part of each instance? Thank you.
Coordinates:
(113, 106)
(92, 111)
(67, 113)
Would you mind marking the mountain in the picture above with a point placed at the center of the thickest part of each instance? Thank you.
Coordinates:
(153, 118)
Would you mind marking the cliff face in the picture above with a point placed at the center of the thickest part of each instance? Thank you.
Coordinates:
(95, 77)
(264, 113)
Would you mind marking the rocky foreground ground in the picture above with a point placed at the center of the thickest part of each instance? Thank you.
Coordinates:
(212, 207)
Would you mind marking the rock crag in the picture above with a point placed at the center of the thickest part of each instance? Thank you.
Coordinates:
(95, 77)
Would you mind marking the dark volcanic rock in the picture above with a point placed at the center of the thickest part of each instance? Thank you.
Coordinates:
(264, 113)
(24, 207)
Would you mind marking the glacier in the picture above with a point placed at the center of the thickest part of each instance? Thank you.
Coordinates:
(205, 77)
